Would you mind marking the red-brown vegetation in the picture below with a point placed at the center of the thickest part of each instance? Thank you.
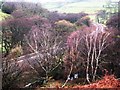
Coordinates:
(44, 49)
(108, 81)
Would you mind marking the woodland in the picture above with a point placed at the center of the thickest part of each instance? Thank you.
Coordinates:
(48, 49)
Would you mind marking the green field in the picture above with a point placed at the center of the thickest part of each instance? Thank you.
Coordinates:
(75, 7)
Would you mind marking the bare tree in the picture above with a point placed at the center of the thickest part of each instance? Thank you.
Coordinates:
(96, 42)
(48, 49)
(87, 46)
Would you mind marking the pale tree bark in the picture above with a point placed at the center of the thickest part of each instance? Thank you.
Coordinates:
(45, 52)
(96, 42)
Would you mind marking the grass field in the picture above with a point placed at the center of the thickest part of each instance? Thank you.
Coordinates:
(75, 7)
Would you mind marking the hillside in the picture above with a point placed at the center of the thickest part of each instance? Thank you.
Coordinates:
(61, 45)
(74, 6)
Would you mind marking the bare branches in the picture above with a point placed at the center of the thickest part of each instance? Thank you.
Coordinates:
(95, 43)
(89, 46)
(11, 73)
(46, 46)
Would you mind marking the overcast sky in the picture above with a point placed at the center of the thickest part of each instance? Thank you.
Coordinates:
(43, 1)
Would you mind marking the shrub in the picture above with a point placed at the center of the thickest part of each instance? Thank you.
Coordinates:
(113, 52)
(83, 21)
(63, 29)
(29, 9)
(11, 73)
(8, 7)
(14, 30)
(114, 21)
(18, 14)
(74, 17)
(71, 17)
(48, 49)
(108, 81)
(64, 22)
(64, 26)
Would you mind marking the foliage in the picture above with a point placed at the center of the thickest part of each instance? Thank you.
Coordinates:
(83, 21)
(20, 31)
(101, 16)
(86, 46)
(46, 44)
(114, 21)
(72, 17)
(64, 22)
(39, 25)
(113, 52)
(15, 29)
(11, 73)
(19, 14)
(31, 8)
(64, 26)
(52, 45)
(28, 8)
(63, 29)
(108, 81)
(109, 9)
(8, 7)
(4, 16)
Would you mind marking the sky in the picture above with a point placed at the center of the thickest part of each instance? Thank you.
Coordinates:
(44, 1)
